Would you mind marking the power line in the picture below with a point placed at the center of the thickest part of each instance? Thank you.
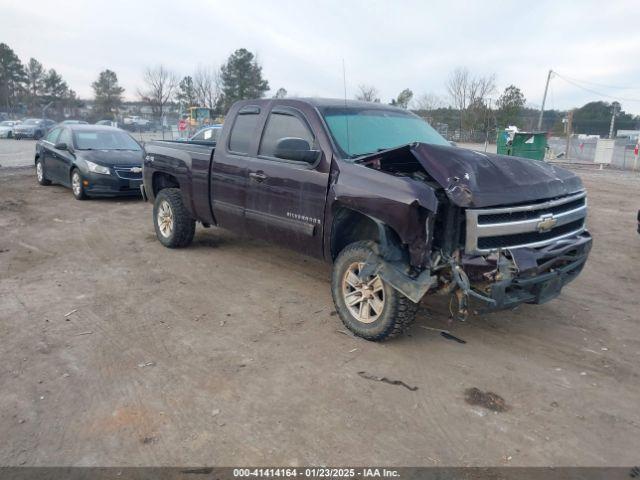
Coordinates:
(595, 91)
(598, 84)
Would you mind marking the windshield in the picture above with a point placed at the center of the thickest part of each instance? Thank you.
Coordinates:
(6, 124)
(104, 140)
(360, 131)
(32, 121)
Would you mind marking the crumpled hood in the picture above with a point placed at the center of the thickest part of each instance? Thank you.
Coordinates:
(477, 179)
(112, 157)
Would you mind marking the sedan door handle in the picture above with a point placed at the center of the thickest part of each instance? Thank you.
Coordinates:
(258, 176)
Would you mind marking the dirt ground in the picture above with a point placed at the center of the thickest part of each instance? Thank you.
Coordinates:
(118, 351)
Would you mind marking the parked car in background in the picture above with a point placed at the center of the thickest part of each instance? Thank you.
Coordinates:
(108, 123)
(73, 122)
(35, 128)
(7, 127)
(208, 134)
(93, 160)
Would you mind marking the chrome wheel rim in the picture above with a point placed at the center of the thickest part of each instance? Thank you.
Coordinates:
(39, 173)
(76, 184)
(165, 219)
(364, 298)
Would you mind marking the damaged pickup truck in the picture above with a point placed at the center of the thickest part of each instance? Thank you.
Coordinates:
(375, 190)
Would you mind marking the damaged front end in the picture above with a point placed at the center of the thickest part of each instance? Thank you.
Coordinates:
(506, 231)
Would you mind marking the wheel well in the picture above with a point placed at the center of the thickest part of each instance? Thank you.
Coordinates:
(350, 226)
(163, 180)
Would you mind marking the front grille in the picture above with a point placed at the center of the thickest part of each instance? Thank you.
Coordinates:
(531, 225)
(529, 214)
(529, 237)
(125, 172)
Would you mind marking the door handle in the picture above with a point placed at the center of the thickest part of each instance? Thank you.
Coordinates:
(258, 176)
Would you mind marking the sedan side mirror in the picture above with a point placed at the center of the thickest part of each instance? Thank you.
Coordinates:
(296, 149)
(61, 146)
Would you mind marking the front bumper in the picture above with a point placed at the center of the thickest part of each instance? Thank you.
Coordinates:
(541, 274)
(98, 185)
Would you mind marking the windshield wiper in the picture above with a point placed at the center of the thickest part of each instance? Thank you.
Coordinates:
(360, 155)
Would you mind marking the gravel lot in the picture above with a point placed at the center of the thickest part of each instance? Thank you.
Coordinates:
(117, 351)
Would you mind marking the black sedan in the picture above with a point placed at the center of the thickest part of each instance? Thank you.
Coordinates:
(93, 160)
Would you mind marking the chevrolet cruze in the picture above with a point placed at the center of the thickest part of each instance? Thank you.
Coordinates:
(92, 160)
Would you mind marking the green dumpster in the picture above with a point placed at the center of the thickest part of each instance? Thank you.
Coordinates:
(531, 145)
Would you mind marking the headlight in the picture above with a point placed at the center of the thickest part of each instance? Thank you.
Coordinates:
(95, 168)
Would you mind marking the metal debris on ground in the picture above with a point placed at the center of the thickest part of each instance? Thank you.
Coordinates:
(368, 376)
(489, 400)
(448, 336)
(71, 312)
(445, 333)
(215, 412)
(148, 364)
(88, 332)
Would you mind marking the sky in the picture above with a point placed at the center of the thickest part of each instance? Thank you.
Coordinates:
(302, 45)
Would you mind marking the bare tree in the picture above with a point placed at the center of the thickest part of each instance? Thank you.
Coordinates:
(368, 93)
(160, 85)
(469, 92)
(206, 83)
(428, 102)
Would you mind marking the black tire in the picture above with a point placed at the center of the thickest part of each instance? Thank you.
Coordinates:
(178, 229)
(41, 174)
(38, 135)
(10, 135)
(78, 191)
(397, 313)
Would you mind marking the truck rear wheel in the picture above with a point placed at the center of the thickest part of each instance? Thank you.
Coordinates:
(369, 307)
(173, 224)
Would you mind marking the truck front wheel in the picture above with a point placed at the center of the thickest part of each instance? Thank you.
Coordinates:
(368, 307)
(174, 226)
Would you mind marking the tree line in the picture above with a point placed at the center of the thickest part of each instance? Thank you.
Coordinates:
(469, 105)
(31, 88)
(31, 85)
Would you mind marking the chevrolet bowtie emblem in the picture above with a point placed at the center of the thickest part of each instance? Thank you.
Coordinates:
(546, 224)
(135, 170)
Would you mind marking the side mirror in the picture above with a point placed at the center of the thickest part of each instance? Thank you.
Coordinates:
(61, 146)
(296, 149)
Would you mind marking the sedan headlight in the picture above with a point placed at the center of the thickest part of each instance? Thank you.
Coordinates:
(95, 168)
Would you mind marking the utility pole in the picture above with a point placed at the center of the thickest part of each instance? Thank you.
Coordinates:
(544, 100)
(614, 105)
(569, 130)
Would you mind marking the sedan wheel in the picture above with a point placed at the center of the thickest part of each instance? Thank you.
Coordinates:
(76, 186)
(40, 175)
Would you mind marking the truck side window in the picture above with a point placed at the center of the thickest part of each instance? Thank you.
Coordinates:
(281, 125)
(242, 132)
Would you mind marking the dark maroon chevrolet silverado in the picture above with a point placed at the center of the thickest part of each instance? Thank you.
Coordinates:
(379, 193)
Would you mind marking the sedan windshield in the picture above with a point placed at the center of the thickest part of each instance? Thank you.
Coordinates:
(362, 131)
(32, 121)
(104, 140)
